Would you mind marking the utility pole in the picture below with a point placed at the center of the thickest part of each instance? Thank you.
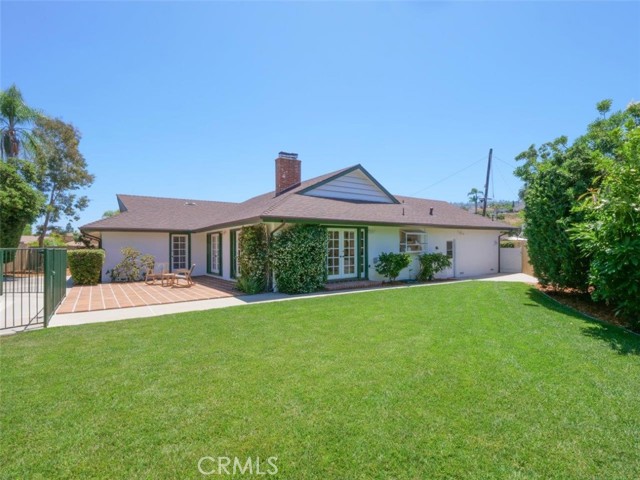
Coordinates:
(486, 185)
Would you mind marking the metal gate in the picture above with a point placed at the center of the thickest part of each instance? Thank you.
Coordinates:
(33, 285)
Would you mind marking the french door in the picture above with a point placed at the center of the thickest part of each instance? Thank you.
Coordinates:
(341, 255)
(179, 251)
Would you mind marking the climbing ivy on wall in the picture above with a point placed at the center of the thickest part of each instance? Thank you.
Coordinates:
(299, 258)
(253, 259)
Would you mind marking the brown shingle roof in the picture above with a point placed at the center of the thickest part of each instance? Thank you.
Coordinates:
(172, 214)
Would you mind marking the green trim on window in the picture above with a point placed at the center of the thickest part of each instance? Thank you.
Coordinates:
(360, 230)
(233, 242)
(209, 253)
(220, 271)
(210, 269)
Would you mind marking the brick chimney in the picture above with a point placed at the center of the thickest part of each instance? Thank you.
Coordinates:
(287, 172)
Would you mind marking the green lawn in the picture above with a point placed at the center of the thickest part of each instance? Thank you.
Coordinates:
(468, 380)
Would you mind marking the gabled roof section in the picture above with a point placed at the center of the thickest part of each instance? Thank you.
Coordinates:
(353, 184)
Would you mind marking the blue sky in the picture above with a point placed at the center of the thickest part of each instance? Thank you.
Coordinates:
(194, 100)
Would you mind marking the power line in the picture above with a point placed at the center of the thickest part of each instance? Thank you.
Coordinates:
(449, 176)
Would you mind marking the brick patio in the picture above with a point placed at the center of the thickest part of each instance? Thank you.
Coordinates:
(107, 296)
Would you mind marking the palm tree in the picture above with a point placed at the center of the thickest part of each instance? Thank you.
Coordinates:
(474, 196)
(15, 118)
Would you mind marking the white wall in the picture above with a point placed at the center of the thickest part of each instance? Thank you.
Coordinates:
(199, 253)
(475, 251)
(152, 243)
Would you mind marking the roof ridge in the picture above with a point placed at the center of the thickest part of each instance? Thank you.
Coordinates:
(174, 198)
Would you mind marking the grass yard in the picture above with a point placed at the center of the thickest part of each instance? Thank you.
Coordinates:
(468, 380)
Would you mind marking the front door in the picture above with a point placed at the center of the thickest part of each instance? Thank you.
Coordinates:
(341, 255)
(179, 251)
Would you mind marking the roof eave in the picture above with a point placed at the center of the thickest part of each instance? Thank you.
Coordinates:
(280, 219)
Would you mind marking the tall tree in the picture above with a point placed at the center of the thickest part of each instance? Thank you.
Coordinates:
(20, 202)
(62, 169)
(475, 195)
(556, 176)
(16, 118)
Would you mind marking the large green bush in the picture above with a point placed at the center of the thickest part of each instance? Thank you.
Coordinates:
(432, 263)
(391, 264)
(253, 260)
(85, 265)
(582, 209)
(611, 234)
(299, 258)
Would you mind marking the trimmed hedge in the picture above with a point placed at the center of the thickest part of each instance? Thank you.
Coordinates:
(85, 265)
(299, 258)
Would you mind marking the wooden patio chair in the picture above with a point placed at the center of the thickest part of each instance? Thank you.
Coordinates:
(155, 274)
(184, 274)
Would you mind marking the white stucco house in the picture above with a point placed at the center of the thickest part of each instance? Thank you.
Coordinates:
(362, 219)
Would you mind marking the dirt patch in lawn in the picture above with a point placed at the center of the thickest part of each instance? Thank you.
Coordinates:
(583, 303)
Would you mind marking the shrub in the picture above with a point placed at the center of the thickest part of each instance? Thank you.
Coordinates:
(299, 258)
(253, 260)
(432, 263)
(391, 264)
(132, 267)
(507, 244)
(85, 265)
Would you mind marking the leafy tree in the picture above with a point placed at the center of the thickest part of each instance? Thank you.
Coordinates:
(610, 234)
(474, 196)
(15, 119)
(556, 176)
(20, 203)
(61, 170)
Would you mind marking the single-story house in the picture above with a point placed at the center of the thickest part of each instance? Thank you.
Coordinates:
(362, 219)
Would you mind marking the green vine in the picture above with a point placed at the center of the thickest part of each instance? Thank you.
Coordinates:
(253, 259)
(299, 258)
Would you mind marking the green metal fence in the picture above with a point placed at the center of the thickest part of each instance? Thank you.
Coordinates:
(55, 280)
(32, 286)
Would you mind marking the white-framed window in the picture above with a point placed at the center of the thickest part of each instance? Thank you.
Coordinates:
(413, 241)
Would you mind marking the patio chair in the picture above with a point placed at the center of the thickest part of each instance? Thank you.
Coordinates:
(184, 274)
(155, 274)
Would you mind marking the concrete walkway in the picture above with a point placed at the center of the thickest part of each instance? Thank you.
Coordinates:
(68, 319)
